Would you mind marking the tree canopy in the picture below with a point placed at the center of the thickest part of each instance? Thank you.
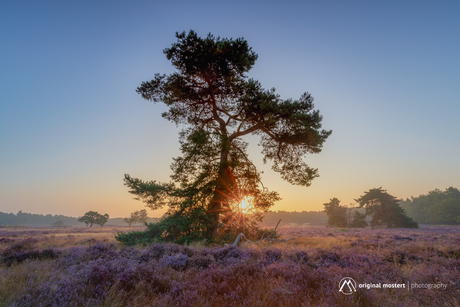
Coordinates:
(384, 209)
(213, 98)
(93, 217)
(435, 207)
(337, 214)
(343, 216)
(139, 216)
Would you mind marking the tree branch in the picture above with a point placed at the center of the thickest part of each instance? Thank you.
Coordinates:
(240, 133)
(244, 155)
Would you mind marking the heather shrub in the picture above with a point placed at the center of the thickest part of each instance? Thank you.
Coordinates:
(155, 251)
(130, 252)
(6, 240)
(299, 257)
(272, 254)
(9, 258)
(23, 245)
(158, 250)
(100, 250)
(327, 256)
(201, 261)
(177, 262)
(226, 252)
(295, 273)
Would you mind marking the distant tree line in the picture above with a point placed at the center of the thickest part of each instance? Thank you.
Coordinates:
(380, 210)
(436, 207)
(31, 219)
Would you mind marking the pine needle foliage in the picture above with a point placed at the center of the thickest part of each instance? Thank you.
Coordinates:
(211, 96)
(385, 210)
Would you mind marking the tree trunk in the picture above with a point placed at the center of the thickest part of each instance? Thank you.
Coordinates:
(224, 182)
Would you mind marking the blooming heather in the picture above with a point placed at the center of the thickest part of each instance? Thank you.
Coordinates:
(302, 272)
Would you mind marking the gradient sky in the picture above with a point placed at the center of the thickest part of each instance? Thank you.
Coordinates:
(385, 76)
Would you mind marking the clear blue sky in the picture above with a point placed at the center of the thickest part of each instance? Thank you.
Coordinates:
(385, 76)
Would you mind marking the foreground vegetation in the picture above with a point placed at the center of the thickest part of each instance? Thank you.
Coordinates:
(75, 266)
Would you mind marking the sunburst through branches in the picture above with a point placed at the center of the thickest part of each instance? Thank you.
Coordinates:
(245, 205)
(242, 208)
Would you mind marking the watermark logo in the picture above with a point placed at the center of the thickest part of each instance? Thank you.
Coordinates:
(347, 285)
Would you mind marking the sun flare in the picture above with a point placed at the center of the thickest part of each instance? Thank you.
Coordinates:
(246, 205)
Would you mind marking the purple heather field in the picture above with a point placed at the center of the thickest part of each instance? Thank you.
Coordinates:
(78, 266)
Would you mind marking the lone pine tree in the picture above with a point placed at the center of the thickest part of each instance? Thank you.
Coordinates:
(211, 95)
(384, 210)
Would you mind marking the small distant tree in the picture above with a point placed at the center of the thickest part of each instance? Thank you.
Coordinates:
(93, 217)
(142, 216)
(337, 214)
(137, 217)
(385, 210)
(129, 220)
